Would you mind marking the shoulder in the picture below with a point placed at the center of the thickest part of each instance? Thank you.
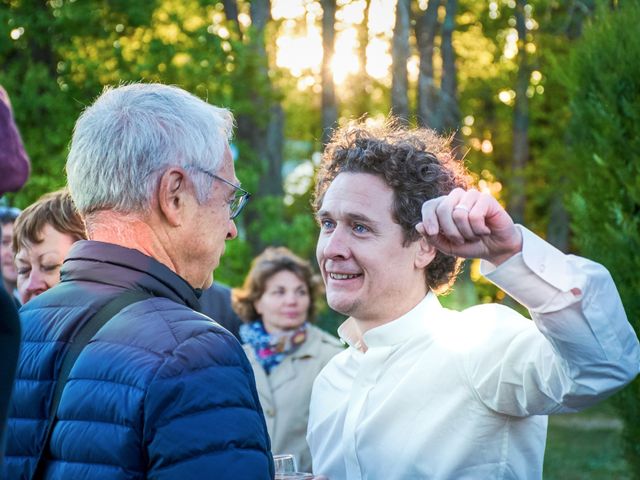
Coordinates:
(169, 329)
(482, 329)
(50, 317)
(489, 316)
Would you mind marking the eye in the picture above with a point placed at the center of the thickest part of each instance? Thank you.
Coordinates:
(326, 224)
(23, 271)
(359, 228)
(51, 268)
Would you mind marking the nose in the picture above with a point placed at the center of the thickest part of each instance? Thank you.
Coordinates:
(291, 298)
(33, 286)
(335, 243)
(233, 230)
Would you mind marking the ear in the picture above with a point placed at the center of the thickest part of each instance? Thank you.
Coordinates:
(172, 194)
(425, 252)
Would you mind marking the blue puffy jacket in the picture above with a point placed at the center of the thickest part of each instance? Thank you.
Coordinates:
(161, 391)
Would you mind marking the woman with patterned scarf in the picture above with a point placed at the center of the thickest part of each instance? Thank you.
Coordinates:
(277, 304)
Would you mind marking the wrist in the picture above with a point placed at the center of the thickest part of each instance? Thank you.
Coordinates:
(512, 247)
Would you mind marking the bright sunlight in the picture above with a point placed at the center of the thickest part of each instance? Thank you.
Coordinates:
(300, 50)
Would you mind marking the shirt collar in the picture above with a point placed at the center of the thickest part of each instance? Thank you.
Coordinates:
(394, 332)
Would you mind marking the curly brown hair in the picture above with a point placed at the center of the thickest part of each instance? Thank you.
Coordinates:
(271, 261)
(417, 164)
(56, 209)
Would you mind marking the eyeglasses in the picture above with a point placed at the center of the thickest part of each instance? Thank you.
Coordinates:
(241, 196)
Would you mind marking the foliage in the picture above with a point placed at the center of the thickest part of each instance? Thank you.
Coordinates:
(605, 168)
(174, 42)
(43, 111)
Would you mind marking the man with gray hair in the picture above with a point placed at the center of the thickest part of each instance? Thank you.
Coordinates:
(160, 391)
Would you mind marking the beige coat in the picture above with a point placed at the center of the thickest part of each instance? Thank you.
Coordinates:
(286, 392)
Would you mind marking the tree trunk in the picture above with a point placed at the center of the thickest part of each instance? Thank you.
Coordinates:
(400, 56)
(520, 122)
(230, 8)
(426, 26)
(363, 81)
(261, 126)
(449, 88)
(40, 46)
(260, 13)
(329, 107)
(272, 135)
(272, 182)
(558, 227)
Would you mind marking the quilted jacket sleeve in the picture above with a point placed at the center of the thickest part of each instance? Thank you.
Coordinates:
(202, 414)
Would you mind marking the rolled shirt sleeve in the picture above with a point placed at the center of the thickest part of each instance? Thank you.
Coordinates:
(587, 350)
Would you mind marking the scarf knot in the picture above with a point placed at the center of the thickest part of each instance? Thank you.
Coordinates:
(271, 349)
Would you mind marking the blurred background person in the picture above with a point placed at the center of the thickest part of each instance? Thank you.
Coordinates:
(42, 235)
(8, 216)
(14, 168)
(277, 304)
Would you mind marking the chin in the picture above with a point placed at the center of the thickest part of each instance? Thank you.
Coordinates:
(345, 306)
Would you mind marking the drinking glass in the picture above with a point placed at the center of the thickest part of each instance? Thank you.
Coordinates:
(286, 468)
(285, 463)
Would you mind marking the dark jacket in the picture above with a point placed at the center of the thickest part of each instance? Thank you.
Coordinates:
(215, 302)
(9, 346)
(14, 171)
(161, 392)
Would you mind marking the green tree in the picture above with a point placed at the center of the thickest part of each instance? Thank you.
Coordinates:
(604, 86)
(31, 34)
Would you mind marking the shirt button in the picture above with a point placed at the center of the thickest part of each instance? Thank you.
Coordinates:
(270, 413)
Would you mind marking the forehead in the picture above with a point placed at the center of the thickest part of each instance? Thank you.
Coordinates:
(284, 277)
(358, 194)
(52, 241)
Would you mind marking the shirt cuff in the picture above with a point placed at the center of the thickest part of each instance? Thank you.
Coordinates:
(541, 277)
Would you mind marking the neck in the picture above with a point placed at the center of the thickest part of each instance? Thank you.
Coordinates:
(131, 231)
(392, 313)
(353, 329)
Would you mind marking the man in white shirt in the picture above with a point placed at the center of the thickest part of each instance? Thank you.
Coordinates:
(424, 392)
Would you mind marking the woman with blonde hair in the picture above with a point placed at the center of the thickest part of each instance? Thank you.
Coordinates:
(277, 304)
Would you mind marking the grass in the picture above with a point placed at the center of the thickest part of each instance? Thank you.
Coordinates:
(585, 446)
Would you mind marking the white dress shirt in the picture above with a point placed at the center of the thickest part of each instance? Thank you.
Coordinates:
(439, 394)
